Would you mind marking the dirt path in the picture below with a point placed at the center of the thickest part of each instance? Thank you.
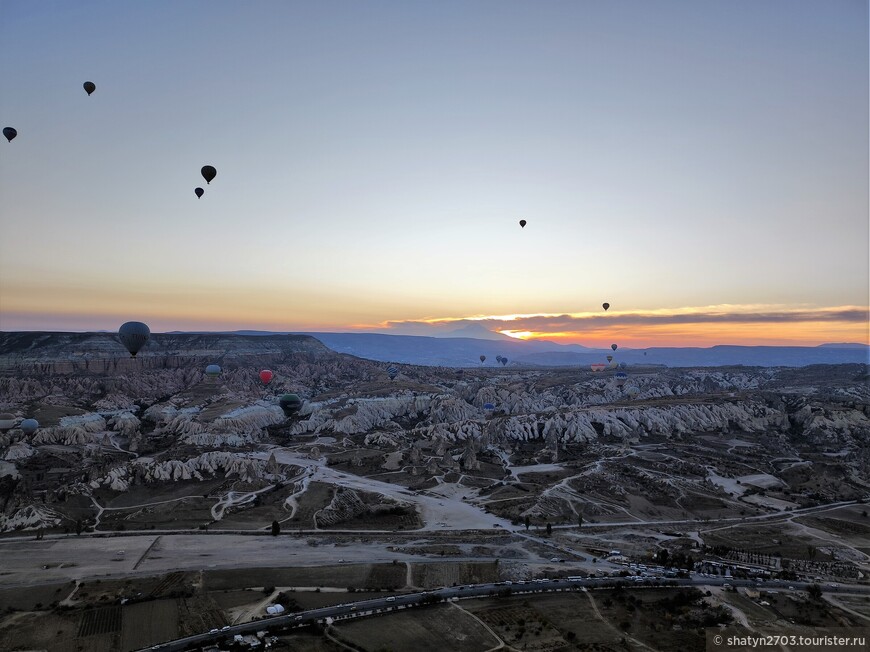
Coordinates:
(147, 550)
(235, 498)
(249, 613)
(409, 582)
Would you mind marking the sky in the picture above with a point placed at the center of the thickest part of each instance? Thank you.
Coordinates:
(702, 167)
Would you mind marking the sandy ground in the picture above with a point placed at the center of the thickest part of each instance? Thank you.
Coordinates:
(445, 511)
(22, 560)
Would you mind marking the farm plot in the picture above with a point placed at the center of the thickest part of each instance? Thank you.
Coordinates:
(259, 512)
(668, 619)
(431, 629)
(434, 575)
(34, 598)
(232, 599)
(189, 512)
(573, 612)
(140, 494)
(199, 614)
(147, 623)
(519, 624)
(358, 576)
(386, 576)
(43, 631)
(783, 538)
(316, 497)
(106, 620)
(810, 613)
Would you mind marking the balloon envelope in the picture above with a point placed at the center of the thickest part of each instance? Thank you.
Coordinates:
(266, 376)
(90, 87)
(614, 347)
(610, 358)
(488, 406)
(598, 366)
(208, 173)
(522, 224)
(605, 306)
(134, 335)
(199, 192)
(10, 133)
(29, 426)
(213, 370)
(7, 421)
(290, 403)
(482, 358)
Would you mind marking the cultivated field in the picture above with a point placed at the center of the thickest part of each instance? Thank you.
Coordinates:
(427, 629)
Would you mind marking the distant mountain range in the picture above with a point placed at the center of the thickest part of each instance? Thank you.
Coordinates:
(455, 350)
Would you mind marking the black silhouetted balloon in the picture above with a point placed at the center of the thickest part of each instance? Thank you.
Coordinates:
(89, 87)
(523, 224)
(134, 335)
(10, 133)
(208, 173)
(605, 306)
(199, 192)
(290, 403)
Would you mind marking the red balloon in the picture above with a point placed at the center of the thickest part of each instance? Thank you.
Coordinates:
(266, 376)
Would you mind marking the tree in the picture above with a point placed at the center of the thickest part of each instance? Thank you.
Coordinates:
(528, 522)
(78, 526)
(276, 528)
(579, 521)
(549, 529)
(814, 591)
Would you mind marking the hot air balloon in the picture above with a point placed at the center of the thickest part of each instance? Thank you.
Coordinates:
(504, 361)
(598, 366)
(90, 87)
(482, 359)
(522, 224)
(644, 352)
(134, 335)
(199, 192)
(7, 421)
(213, 370)
(266, 376)
(621, 377)
(488, 406)
(208, 173)
(392, 372)
(290, 403)
(632, 391)
(613, 365)
(610, 358)
(29, 426)
(605, 306)
(614, 347)
(10, 133)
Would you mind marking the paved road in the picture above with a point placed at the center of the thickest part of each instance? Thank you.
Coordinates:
(386, 604)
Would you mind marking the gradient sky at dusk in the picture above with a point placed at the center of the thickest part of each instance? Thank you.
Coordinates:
(701, 166)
